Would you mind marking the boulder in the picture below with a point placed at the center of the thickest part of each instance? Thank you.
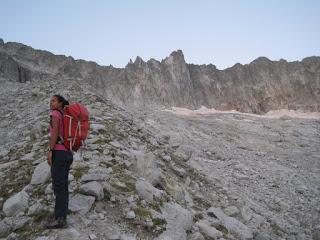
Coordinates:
(231, 224)
(207, 230)
(94, 189)
(148, 192)
(81, 203)
(179, 220)
(16, 204)
(41, 174)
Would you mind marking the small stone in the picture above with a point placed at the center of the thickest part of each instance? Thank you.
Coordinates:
(197, 236)
(130, 215)
(231, 211)
(113, 199)
(208, 231)
(92, 236)
(246, 213)
(166, 158)
(5, 228)
(48, 189)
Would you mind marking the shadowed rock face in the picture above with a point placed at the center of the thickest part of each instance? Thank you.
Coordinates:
(257, 87)
(11, 70)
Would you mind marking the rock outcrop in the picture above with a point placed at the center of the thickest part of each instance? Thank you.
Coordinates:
(12, 70)
(258, 87)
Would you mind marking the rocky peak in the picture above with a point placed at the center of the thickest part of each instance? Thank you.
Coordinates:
(139, 62)
(176, 57)
(258, 87)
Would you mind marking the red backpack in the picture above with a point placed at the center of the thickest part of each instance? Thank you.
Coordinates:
(76, 126)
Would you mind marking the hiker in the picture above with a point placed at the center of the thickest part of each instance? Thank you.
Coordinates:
(60, 160)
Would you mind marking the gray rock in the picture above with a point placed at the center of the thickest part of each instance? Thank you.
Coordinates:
(19, 222)
(70, 234)
(179, 220)
(94, 189)
(196, 236)
(81, 203)
(48, 189)
(231, 211)
(16, 204)
(28, 157)
(41, 174)
(5, 228)
(95, 177)
(207, 230)
(97, 127)
(115, 236)
(147, 192)
(116, 144)
(92, 237)
(146, 167)
(232, 225)
(316, 235)
(130, 215)
(261, 236)
(12, 70)
(246, 213)
(35, 209)
(45, 238)
(166, 158)
(127, 237)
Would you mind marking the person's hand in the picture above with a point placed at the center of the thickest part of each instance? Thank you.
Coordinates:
(49, 158)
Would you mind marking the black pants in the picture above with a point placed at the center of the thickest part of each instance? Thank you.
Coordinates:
(61, 161)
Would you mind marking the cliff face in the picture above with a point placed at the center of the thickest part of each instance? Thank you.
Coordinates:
(257, 87)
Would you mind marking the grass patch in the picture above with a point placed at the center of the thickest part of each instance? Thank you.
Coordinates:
(15, 179)
(222, 229)
(118, 168)
(106, 164)
(159, 222)
(197, 217)
(155, 205)
(107, 194)
(142, 213)
(79, 172)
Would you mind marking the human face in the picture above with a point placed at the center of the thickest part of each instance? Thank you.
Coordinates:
(54, 103)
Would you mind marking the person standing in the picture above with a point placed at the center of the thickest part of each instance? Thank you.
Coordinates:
(60, 160)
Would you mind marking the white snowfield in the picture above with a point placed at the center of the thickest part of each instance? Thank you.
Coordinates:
(271, 114)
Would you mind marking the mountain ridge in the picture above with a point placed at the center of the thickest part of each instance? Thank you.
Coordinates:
(257, 87)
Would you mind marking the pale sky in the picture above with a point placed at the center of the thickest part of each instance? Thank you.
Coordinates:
(222, 33)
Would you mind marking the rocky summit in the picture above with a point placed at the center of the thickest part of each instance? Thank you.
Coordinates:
(151, 173)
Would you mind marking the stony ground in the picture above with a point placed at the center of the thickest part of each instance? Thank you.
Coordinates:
(157, 175)
(268, 168)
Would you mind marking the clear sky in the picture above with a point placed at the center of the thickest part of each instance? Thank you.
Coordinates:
(113, 31)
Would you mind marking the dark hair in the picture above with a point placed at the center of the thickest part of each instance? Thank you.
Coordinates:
(61, 100)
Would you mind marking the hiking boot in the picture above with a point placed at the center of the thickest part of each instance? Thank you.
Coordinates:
(60, 222)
